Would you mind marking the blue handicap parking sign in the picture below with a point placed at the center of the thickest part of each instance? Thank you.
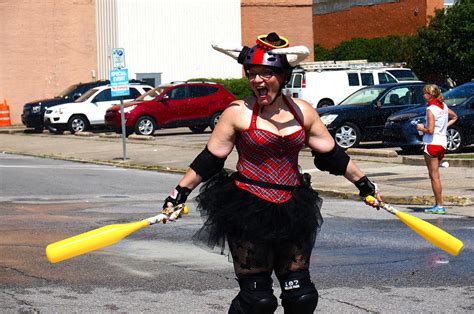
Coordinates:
(119, 82)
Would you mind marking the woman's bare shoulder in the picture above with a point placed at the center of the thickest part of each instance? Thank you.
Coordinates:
(307, 111)
(238, 113)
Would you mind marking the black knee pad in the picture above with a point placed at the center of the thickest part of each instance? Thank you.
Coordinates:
(255, 296)
(298, 294)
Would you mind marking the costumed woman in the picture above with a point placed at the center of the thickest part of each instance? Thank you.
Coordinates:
(266, 210)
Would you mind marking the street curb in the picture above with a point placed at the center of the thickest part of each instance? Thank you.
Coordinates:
(11, 131)
(387, 153)
(450, 200)
(455, 162)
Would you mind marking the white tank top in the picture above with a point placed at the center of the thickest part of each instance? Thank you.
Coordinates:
(441, 123)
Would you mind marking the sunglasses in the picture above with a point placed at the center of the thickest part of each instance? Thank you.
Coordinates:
(264, 74)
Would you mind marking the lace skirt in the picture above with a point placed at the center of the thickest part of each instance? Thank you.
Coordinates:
(233, 213)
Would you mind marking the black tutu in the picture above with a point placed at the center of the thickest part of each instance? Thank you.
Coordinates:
(231, 212)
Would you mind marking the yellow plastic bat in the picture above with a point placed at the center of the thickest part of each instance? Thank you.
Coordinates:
(431, 233)
(105, 236)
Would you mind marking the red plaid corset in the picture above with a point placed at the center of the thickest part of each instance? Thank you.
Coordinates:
(269, 157)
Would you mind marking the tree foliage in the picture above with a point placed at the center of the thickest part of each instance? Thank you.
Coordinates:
(445, 48)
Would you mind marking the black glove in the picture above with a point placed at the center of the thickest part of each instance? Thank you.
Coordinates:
(366, 187)
(178, 196)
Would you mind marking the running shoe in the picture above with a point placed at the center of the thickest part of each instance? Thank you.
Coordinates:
(436, 210)
(444, 164)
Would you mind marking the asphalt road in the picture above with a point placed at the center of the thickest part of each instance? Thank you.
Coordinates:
(363, 261)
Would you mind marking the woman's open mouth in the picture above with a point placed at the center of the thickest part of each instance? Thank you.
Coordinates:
(262, 93)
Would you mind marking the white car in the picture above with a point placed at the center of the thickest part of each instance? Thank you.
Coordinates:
(88, 110)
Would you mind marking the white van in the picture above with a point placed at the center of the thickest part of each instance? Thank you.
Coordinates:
(325, 84)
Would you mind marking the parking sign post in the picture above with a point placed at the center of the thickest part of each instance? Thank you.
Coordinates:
(120, 87)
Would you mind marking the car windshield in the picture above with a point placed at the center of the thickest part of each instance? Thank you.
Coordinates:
(65, 93)
(403, 75)
(363, 96)
(458, 94)
(86, 95)
(151, 94)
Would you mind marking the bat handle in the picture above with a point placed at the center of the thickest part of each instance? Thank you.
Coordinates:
(156, 219)
(171, 214)
(387, 207)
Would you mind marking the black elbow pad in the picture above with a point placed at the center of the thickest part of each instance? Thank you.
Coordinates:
(335, 161)
(207, 165)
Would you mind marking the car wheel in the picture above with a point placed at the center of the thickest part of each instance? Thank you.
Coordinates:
(325, 103)
(145, 126)
(347, 136)
(214, 119)
(198, 129)
(455, 140)
(78, 124)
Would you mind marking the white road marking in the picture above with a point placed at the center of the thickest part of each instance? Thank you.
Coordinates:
(64, 167)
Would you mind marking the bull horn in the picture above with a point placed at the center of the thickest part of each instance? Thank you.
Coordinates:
(231, 52)
(294, 55)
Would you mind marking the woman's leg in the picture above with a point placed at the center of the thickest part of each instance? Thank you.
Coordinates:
(291, 268)
(253, 265)
(433, 169)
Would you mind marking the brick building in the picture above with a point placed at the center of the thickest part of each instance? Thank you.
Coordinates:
(290, 18)
(50, 44)
(46, 46)
(335, 21)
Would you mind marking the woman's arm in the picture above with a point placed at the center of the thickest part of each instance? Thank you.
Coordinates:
(452, 117)
(429, 129)
(220, 143)
(332, 158)
(321, 142)
(212, 158)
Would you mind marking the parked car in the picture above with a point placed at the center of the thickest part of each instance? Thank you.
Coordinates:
(33, 112)
(196, 105)
(400, 129)
(325, 84)
(88, 110)
(362, 115)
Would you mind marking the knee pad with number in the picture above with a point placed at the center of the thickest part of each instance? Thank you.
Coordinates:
(255, 296)
(298, 294)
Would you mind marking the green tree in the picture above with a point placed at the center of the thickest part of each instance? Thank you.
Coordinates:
(322, 54)
(445, 48)
(383, 49)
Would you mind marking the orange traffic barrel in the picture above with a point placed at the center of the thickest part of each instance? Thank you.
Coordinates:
(5, 114)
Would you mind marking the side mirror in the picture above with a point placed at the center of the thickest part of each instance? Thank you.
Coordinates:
(165, 98)
(378, 104)
(76, 96)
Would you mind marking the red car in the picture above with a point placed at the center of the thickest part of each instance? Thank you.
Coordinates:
(196, 105)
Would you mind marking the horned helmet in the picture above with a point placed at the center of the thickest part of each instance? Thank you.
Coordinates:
(270, 50)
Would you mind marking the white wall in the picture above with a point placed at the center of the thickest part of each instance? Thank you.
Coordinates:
(174, 37)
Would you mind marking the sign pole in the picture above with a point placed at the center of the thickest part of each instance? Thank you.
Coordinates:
(120, 87)
(124, 135)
